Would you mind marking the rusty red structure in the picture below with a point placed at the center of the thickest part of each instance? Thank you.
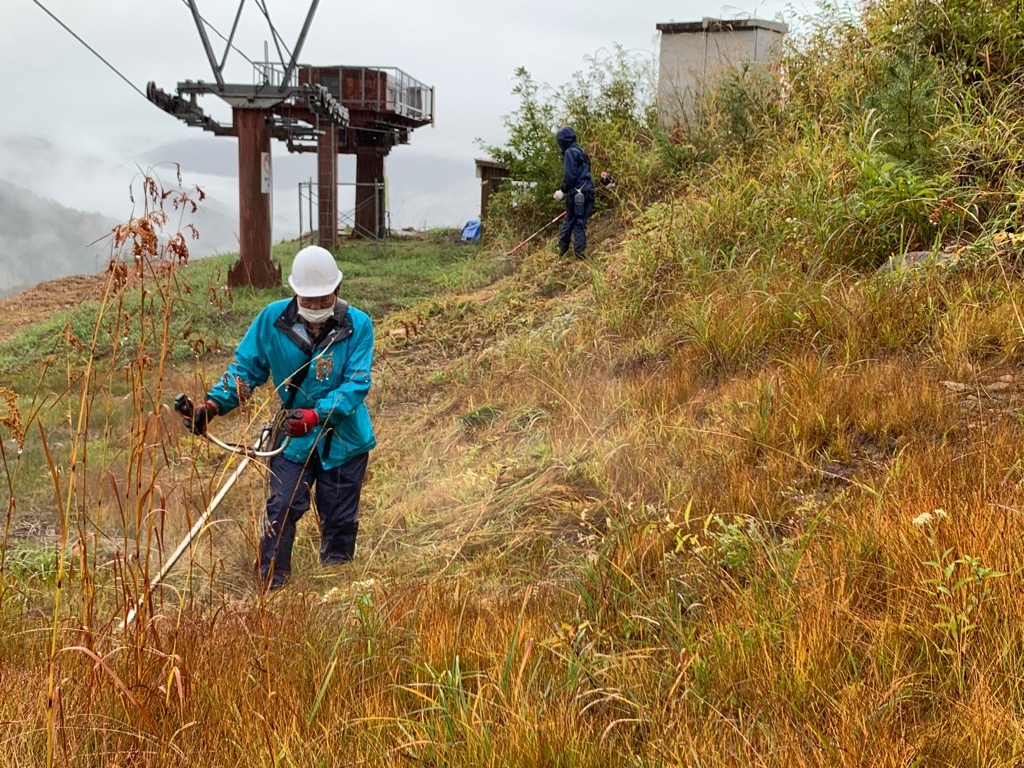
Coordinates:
(384, 105)
(365, 111)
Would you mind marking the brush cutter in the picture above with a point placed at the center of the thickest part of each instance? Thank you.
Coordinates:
(557, 218)
(270, 436)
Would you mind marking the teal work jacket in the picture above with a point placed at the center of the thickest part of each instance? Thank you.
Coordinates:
(277, 346)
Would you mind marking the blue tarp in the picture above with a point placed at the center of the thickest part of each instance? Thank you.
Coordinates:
(471, 232)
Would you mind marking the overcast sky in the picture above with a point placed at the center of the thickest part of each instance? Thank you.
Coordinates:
(72, 130)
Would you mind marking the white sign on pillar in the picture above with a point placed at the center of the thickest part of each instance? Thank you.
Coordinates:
(266, 177)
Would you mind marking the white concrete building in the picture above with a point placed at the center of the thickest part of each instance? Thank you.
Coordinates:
(694, 54)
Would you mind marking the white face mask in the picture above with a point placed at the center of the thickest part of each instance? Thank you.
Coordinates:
(316, 316)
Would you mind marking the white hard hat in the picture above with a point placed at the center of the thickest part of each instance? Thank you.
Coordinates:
(314, 272)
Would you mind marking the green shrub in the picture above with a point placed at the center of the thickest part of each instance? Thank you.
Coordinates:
(737, 117)
(610, 105)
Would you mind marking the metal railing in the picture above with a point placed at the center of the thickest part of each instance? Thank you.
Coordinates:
(309, 206)
(380, 89)
(271, 73)
(388, 89)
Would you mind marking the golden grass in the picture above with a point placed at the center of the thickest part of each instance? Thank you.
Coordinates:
(708, 505)
(577, 549)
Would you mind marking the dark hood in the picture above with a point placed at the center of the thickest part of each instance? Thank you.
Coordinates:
(566, 137)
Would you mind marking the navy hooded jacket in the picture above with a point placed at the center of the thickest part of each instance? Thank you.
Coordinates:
(575, 162)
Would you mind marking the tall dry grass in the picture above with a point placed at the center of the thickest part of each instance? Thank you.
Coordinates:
(586, 547)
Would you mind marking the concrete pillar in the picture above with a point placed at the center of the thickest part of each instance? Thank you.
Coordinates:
(369, 193)
(695, 55)
(254, 266)
(327, 187)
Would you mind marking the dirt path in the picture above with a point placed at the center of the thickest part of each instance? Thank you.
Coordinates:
(34, 304)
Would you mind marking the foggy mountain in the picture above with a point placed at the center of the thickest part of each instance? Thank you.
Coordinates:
(41, 240)
(55, 177)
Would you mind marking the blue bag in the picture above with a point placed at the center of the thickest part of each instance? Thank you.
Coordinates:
(471, 232)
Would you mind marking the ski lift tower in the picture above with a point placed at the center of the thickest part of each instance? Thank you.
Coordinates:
(384, 105)
(275, 105)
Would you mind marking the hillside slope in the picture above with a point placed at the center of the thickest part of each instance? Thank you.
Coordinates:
(46, 299)
(725, 494)
(724, 542)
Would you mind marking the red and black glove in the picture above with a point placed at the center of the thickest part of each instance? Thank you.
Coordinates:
(201, 416)
(298, 422)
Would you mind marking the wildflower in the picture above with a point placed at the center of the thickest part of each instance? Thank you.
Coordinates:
(332, 595)
(923, 519)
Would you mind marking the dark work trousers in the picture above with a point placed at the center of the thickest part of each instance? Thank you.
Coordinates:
(337, 503)
(575, 226)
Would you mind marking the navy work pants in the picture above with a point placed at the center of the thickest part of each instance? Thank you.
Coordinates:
(575, 226)
(337, 503)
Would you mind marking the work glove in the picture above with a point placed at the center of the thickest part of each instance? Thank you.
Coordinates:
(559, 194)
(298, 422)
(201, 416)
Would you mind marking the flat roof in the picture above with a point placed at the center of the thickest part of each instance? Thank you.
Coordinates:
(707, 24)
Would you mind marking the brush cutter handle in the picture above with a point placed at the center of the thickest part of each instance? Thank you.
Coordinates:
(184, 406)
(268, 436)
(197, 528)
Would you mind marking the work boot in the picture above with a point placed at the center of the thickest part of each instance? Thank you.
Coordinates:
(278, 580)
(335, 560)
(579, 254)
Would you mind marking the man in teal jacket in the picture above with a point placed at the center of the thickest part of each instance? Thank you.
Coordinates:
(318, 350)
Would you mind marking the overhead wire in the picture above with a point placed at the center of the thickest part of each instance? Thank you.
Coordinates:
(260, 3)
(231, 34)
(273, 32)
(114, 69)
(92, 50)
(278, 41)
(221, 36)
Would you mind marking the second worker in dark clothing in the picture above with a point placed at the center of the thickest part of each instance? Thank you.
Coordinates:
(577, 190)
